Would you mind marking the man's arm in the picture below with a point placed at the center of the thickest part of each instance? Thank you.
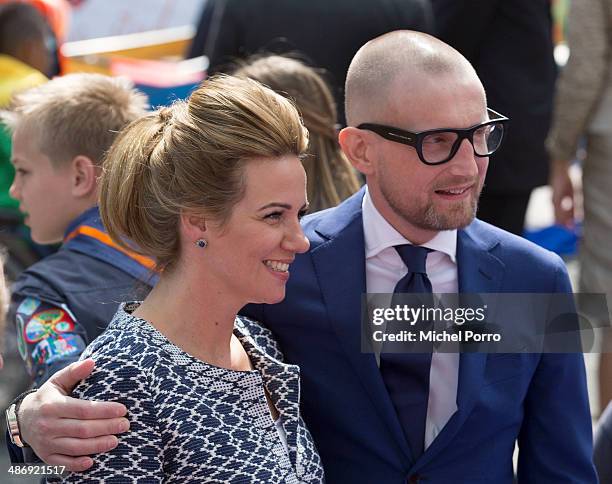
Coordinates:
(578, 94)
(555, 441)
(64, 430)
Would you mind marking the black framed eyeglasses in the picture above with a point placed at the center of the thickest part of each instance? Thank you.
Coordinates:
(437, 146)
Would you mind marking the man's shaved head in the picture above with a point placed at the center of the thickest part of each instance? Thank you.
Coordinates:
(377, 66)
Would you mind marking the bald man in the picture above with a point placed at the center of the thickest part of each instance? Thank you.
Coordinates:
(422, 190)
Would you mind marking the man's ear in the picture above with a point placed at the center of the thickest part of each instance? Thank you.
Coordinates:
(354, 143)
(84, 176)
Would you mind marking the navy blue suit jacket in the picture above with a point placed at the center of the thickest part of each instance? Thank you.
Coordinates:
(538, 399)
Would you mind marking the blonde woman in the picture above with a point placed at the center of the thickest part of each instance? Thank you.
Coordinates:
(213, 189)
(331, 178)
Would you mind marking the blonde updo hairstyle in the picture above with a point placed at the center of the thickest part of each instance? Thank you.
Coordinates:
(191, 157)
(331, 178)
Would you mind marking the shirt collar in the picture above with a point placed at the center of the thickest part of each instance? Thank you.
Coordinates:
(380, 235)
(91, 215)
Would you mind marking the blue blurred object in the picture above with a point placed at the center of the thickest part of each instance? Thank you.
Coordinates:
(557, 238)
(163, 96)
(162, 81)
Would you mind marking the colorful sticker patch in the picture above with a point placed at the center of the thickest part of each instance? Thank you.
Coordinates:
(48, 324)
(21, 344)
(28, 306)
(52, 349)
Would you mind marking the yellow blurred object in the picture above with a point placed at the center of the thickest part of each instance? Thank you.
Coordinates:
(560, 10)
(16, 76)
(95, 55)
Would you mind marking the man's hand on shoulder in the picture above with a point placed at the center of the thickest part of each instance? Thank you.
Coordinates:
(63, 430)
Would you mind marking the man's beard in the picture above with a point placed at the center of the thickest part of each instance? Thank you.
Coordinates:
(430, 218)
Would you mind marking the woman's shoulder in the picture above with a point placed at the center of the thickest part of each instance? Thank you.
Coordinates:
(262, 337)
(126, 362)
(125, 338)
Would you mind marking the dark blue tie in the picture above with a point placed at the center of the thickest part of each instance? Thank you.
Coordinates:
(406, 375)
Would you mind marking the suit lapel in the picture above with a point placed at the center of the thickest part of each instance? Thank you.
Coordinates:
(479, 271)
(340, 267)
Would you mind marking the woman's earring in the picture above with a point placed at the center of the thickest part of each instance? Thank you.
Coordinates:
(201, 243)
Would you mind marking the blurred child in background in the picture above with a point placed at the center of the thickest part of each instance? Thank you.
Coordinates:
(3, 304)
(331, 178)
(61, 131)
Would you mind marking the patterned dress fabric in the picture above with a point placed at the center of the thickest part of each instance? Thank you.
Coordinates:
(195, 422)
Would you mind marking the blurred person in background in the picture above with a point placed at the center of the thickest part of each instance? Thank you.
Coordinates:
(60, 131)
(327, 33)
(583, 109)
(57, 15)
(510, 45)
(25, 61)
(331, 178)
(3, 307)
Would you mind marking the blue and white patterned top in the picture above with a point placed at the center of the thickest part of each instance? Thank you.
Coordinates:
(194, 422)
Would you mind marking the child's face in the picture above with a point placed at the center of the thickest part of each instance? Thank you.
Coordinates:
(43, 191)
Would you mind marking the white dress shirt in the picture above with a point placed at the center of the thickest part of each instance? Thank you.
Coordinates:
(384, 268)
